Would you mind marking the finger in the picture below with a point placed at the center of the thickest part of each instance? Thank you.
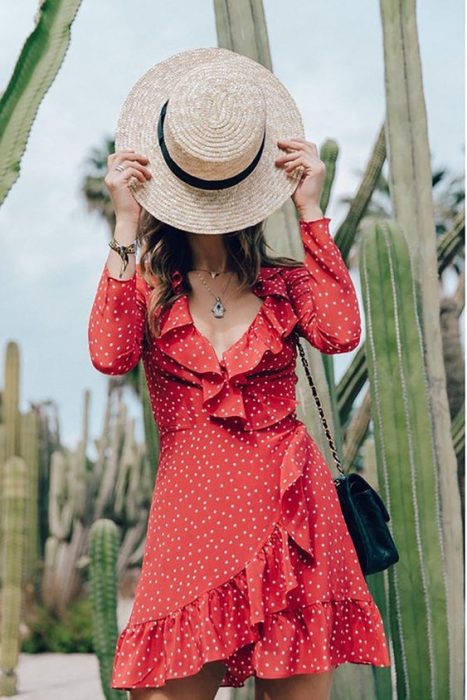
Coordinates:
(298, 160)
(120, 156)
(293, 141)
(127, 151)
(133, 164)
(294, 163)
(123, 177)
(297, 144)
(308, 146)
(130, 173)
(288, 144)
(284, 159)
(293, 138)
(298, 139)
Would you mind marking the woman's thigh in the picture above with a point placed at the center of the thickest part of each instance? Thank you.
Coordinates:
(303, 686)
(200, 686)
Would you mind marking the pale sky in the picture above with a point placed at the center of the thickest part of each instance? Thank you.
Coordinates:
(328, 54)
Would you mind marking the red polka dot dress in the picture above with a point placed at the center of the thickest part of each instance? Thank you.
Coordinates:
(247, 556)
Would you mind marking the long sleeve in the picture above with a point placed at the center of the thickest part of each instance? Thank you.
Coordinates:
(322, 292)
(116, 323)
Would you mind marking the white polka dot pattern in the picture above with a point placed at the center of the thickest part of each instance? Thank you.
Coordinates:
(329, 317)
(247, 555)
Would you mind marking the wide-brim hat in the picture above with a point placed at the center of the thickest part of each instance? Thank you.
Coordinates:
(209, 120)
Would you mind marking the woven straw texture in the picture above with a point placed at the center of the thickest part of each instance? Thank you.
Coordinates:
(221, 104)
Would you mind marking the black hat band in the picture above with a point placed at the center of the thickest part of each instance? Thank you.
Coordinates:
(197, 181)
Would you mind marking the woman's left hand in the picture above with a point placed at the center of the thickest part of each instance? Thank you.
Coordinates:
(305, 155)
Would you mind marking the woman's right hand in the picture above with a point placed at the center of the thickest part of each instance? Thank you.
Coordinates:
(127, 209)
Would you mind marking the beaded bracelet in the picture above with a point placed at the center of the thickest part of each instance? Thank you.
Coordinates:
(123, 251)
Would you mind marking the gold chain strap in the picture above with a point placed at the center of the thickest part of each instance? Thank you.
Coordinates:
(318, 403)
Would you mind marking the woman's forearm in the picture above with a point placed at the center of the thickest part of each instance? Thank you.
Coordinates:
(116, 321)
(322, 292)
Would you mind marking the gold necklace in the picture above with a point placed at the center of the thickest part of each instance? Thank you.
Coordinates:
(213, 273)
(218, 308)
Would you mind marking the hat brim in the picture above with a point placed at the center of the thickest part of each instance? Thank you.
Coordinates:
(192, 209)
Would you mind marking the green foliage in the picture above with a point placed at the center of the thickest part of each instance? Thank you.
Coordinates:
(72, 634)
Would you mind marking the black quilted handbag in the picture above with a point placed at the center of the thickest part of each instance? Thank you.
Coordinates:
(362, 507)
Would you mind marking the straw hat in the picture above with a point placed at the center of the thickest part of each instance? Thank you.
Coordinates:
(209, 120)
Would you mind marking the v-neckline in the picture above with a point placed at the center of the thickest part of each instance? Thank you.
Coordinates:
(206, 340)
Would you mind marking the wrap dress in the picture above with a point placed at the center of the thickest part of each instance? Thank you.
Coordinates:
(247, 555)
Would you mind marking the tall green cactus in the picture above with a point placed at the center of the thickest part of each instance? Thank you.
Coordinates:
(151, 432)
(118, 485)
(11, 427)
(13, 499)
(328, 153)
(410, 181)
(103, 549)
(36, 68)
(406, 462)
(10, 408)
(30, 453)
(346, 233)
(60, 499)
(19, 542)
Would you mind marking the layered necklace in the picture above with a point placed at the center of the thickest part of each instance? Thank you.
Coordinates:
(218, 308)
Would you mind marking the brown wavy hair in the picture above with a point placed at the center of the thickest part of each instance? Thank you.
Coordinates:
(165, 249)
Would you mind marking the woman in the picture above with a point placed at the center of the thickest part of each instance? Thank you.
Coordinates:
(248, 567)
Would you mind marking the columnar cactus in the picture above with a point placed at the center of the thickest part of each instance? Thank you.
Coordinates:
(151, 432)
(119, 486)
(13, 499)
(39, 62)
(346, 233)
(103, 550)
(10, 412)
(30, 453)
(407, 471)
(410, 180)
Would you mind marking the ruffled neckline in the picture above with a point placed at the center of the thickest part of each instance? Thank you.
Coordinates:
(223, 380)
(269, 284)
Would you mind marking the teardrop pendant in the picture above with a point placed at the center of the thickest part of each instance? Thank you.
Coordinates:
(218, 308)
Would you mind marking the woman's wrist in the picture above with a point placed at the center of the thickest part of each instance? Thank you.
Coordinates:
(310, 213)
(125, 231)
(122, 266)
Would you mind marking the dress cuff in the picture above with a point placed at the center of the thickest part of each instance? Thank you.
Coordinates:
(110, 289)
(317, 229)
(108, 276)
